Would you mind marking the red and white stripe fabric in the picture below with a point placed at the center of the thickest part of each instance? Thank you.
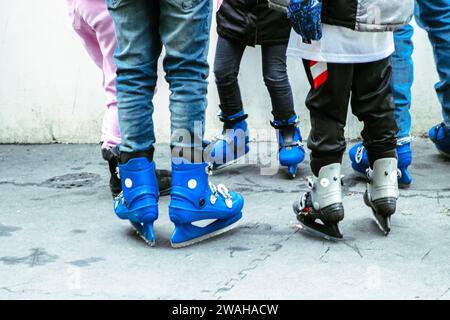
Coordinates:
(319, 72)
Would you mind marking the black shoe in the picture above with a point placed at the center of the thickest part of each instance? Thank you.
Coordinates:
(115, 185)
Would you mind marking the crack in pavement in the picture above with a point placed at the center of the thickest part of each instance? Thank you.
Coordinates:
(354, 248)
(67, 181)
(445, 292)
(243, 273)
(324, 254)
(426, 255)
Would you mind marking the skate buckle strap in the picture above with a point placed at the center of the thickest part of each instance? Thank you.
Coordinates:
(310, 183)
(214, 195)
(226, 195)
(282, 124)
(302, 201)
(369, 177)
(232, 120)
(222, 191)
(297, 143)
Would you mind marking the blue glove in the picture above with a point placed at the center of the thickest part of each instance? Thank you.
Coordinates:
(305, 18)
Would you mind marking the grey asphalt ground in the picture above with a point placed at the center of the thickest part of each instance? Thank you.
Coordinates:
(59, 237)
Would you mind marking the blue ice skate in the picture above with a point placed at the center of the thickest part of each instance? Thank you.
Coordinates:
(360, 161)
(440, 135)
(138, 201)
(196, 200)
(232, 143)
(291, 152)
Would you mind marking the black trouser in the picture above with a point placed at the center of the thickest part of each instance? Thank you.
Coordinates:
(226, 69)
(369, 86)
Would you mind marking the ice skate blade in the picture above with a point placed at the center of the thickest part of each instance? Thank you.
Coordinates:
(318, 234)
(205, 237)
(165, 192)
(228, 164)
(141, 235)
(150, 243)
(446, 155)
(384, 227)
(292, 171)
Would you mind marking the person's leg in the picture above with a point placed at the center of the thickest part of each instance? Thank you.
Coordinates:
(434, 17)
(226, 70)
(327, 102)
(184, 29)
(138, 49)
(372, 103)
(291, 152)
(402, 79)
(87, 17)
(97, 16)
(232, 143)
(85, 32)
(276, 78)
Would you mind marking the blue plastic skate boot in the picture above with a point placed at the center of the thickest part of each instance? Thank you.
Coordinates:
(195, 200)
(305, 17)
(232, 143)
(440, 135)
(291, 152)
(360, 161)
(138, 201)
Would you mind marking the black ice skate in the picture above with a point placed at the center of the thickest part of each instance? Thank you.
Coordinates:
(112, 157)
(382, 192)
(322, 202)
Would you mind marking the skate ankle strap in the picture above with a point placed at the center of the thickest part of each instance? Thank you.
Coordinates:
(284, 124)
(232, 120)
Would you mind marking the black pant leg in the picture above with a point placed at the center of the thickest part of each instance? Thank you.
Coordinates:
(226, 70)
(372, 103)
(327, 102)
(276, 78)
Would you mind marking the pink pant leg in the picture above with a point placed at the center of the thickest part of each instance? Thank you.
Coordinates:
(95, 27)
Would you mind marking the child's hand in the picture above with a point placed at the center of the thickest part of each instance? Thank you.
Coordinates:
(305, 18)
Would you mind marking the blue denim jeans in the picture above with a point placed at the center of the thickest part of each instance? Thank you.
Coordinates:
(433, 17)
(143, 28)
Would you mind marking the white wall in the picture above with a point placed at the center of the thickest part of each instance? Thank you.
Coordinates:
(51, 91)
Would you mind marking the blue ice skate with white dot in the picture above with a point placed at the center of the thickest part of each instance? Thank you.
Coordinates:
(440, 136)
(232, 144)
(198, 208)
(360, 161)
(291, 152)
(138, 201)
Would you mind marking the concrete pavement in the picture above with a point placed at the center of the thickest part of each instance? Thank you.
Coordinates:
(59, 237)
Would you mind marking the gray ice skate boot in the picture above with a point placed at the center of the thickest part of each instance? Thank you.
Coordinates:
(382, 191)
(323, 202)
